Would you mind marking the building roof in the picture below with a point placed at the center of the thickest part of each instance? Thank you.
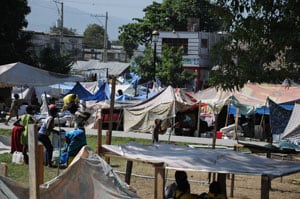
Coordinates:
(114, 68)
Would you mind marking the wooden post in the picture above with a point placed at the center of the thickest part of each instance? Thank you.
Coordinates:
(3, 169)
(128, 171)
(99, 132)
(40, 163)
(159, 184)
(198, 119)
(265, 187)
(111, 109)
(236, 123)
(34, 192)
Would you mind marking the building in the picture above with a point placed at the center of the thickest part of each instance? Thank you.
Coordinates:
(67, 43)
(196, 55)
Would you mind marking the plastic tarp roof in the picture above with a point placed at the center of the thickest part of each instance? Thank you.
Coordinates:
(18, 74)
(80, 91)
(250, 97)
(103, 93)
(164, 105)
(205, 160)
(88, 176)
(292, 130)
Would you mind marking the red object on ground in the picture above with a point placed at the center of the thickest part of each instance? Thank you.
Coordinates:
(219, 135)
(16, 138)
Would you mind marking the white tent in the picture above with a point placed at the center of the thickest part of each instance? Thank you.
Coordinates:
(292, 130)
(164, 105)
(17, 74)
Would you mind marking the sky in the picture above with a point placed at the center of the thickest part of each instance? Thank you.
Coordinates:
(79, 13)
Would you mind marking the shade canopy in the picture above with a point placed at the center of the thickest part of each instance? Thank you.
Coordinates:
(18, 74)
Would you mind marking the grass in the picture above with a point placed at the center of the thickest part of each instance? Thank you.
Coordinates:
(19, 173)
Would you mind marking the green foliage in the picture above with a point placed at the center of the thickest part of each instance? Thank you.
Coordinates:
(93, 37)
(14, 44)
(168, 15)
(66, 31)
(266, 43)
(51, 60)
(145, 65)
(171, 71)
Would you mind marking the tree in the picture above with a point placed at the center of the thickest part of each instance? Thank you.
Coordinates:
(66, 31)
(14, 44)
(264, 43)
(93, 37)
(169, 15)
(51, 60)
(169, 70)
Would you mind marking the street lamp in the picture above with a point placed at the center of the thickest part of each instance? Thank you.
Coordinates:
(155, 35)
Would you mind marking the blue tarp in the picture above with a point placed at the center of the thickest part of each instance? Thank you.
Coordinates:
(262, 110)
(102, 94)
(279, 117)
(80, 91)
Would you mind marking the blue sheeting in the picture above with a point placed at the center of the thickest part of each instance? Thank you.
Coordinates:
(263, 110)
(102, 94)
(80, 91)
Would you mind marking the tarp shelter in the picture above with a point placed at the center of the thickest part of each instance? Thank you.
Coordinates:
(206, 160)
(250, 97)
(80, 91)
(88, 176)
(18, 74)
(292, 130)
(164, 105)
(103, 93)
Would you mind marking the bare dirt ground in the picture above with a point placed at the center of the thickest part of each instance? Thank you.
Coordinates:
(245, 187)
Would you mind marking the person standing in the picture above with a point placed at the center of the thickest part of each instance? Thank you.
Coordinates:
(14, 108)
(44, 132)
(26, 119)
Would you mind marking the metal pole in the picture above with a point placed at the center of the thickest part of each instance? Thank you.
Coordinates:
(154, 60)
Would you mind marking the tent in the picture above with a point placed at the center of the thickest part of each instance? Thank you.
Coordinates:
(17, 74)
(80, 91)
(103, 93)
(88, 176)
(292, 130)
(164, 105)
(250, 97)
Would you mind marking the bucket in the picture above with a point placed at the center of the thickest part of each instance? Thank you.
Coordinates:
(219, 135)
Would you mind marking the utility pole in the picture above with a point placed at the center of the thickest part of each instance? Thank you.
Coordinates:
(61, 27)
(60, 24)
(104, 37)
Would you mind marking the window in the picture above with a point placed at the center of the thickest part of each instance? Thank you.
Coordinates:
(176, 43)
(204, 43)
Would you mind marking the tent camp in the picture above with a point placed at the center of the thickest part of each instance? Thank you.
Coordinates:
(164, 105)
(18, 74)
(88, 176)
(250, 97)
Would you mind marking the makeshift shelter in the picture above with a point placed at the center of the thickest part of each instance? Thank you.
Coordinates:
(250, 97)
(164, 105)
(88, 176)
(167, 156)
(102, 94)
(292, 130)
(80, 91)
(19, 74)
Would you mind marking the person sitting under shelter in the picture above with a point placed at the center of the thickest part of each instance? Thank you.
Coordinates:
(181, 188)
